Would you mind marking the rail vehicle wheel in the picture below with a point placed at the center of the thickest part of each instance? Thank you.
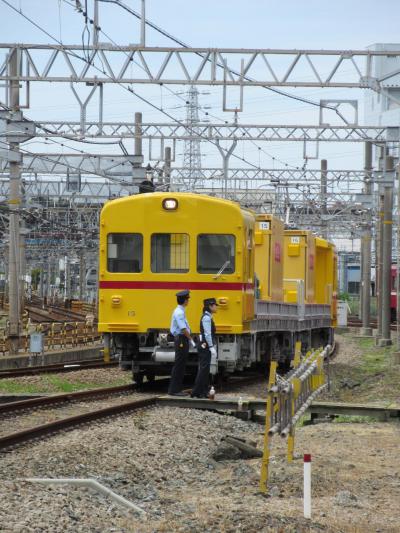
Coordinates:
(220, 378)
(138, 378)
(151, 377)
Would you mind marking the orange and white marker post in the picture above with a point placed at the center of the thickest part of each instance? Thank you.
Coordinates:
(307, 485)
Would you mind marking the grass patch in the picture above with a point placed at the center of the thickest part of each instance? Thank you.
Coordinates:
(355, 419)
(54, 384)
(15, 387)
(367, 376)
(304, 420)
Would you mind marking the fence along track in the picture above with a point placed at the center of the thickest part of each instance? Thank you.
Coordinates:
(57, 335)
(289, 398)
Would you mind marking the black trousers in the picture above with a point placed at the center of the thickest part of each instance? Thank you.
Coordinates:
(178, 370)
(200, 387)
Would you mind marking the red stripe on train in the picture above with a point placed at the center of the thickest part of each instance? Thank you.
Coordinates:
(193, 285)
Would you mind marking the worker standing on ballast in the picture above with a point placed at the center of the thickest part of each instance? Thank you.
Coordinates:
(207, 349)
(181, 332)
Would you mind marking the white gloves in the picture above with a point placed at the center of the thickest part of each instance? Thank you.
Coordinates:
(193, 343)
(213, 352)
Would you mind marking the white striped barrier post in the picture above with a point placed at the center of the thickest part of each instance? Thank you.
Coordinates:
(307, 485)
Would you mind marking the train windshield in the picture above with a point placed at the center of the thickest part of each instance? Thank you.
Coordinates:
(215, 252)
(124, 252)
(170, 252)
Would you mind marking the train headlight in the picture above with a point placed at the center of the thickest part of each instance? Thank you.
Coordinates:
(170, 204)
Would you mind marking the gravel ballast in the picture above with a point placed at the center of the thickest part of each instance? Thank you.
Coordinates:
(161, 459)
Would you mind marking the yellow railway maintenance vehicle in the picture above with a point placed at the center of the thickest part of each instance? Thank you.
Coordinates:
(153, 245)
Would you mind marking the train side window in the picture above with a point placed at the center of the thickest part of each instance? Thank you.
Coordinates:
(215, 252)
(124, 252)
(170, 252)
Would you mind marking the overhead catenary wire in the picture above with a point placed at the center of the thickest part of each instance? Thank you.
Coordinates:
(175, 93)
(184, 45)
(140, 97)
(274, 158)
(67, 165)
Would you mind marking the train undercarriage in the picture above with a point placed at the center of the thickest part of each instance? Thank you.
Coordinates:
(153, 354)
(272, 336)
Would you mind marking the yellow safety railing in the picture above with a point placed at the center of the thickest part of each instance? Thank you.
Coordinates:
(288, 399)
(56, 335)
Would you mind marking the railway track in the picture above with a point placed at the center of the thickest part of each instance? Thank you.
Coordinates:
(54, 314)
(51, 369)
(49, 406)
(52, 406)
(357, 323)
(45, 407)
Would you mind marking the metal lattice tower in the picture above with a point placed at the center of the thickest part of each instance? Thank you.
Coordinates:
(193, 176)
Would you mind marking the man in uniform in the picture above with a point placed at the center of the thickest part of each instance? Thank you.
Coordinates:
(181, 331)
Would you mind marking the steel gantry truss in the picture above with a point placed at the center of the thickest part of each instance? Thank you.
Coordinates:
(60, 208)
(196, 66)
(339, 182)
(250, 132)
(107, 166)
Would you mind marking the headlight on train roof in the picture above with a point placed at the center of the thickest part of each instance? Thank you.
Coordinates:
(170, 204)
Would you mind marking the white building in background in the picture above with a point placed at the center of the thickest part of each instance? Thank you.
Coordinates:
(383, 108)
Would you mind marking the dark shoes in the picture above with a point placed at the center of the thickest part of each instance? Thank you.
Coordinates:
(180, 394)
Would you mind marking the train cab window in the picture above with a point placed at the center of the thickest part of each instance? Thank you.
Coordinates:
(124, 252)
(170, 252)
(215, 253)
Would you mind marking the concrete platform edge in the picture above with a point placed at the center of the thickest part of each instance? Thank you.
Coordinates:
(71, 355)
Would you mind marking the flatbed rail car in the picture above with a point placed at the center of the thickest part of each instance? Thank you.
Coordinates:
(153, 245)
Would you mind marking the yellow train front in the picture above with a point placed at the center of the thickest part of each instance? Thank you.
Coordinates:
(154, 245)
(273, 287)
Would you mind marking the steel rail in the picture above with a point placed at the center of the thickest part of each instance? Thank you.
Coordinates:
(61, 367)
(258, 404)
(64, 398)
(66, 423)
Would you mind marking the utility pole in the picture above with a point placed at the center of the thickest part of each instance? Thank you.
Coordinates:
(366, 330)
(379, 265)
(397, 354)
(324, 191)
(22, 260)
(387, 264)
(14, 206)
(167, 167)
(138, 134)
(143, 24)
(67, 274)
(82, 275)
(96, 23)
(41, 282)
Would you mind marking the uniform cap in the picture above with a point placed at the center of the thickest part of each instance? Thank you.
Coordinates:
(185, 293)
(210, 301)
